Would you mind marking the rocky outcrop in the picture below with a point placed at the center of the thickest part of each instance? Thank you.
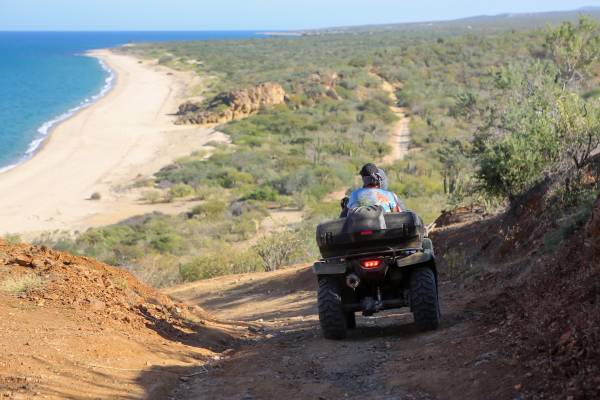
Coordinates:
(326, 78)
(229, 106)
(323, 85)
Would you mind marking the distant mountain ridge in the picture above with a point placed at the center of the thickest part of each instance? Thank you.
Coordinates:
(489, 23)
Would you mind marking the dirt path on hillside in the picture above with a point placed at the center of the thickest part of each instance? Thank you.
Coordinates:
(385, 358)
(400, 138)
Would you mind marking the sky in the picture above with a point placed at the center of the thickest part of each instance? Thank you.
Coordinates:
(65, 15)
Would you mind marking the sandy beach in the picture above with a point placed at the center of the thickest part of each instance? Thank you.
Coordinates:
(128, 133)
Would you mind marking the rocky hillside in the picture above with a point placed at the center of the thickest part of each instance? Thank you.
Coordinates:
(233, 105)
(71, 327)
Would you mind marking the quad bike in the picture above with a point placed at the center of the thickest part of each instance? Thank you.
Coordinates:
(375, 261)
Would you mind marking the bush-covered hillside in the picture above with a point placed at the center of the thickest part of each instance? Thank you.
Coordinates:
(491, 115)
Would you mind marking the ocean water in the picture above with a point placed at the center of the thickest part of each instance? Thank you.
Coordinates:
(45, 78)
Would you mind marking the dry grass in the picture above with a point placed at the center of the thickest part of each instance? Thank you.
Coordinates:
(21, 284)
(12, 239)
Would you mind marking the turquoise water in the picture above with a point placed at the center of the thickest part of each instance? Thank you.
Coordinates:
(44, 79)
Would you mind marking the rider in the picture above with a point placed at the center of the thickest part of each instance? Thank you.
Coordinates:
(373, 192)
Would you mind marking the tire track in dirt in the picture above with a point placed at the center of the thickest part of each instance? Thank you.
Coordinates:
(384, 358)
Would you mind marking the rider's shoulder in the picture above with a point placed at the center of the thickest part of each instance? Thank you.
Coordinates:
(388, 192)
(358, 191)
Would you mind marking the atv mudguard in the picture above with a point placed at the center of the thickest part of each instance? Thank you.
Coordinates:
(414, 259)
(329, 268)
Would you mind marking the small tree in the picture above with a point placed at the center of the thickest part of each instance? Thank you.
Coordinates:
(578, 127)
(510, 165)
(574, 48)
(519, 141)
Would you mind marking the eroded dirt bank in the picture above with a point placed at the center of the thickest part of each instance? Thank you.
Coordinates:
(71, 327)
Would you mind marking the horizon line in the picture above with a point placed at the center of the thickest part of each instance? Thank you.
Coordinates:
(581, 10)
(144, 30)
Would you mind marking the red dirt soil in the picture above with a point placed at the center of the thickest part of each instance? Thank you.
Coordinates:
(87, 330)
(385, 358)
(546, 302)
(554, 316)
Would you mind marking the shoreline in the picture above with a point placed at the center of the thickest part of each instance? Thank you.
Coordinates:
(45, 130)
(124, 135)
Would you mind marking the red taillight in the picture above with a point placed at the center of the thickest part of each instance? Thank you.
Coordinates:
(365, 233)
(370, 263)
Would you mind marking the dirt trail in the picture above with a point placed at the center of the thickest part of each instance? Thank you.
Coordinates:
(385, 358)
(400, 137)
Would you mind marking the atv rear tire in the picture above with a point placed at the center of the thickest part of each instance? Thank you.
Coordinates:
(331, 308)
(424, 299)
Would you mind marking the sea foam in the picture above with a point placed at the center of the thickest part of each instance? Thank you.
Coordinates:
(46, 128)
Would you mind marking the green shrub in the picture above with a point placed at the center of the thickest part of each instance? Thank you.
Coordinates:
(278, 249)
(203, 267)
(180, 190)
(167, 242)
(226, 261)
(529, 142)
(510, 166)
(264, 193)
(211, 209)
(151, 196)
(577, 127)
(574, 48)
(165, 60)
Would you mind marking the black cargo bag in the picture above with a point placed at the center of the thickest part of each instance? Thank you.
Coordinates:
(364, 218)
(369, 229)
